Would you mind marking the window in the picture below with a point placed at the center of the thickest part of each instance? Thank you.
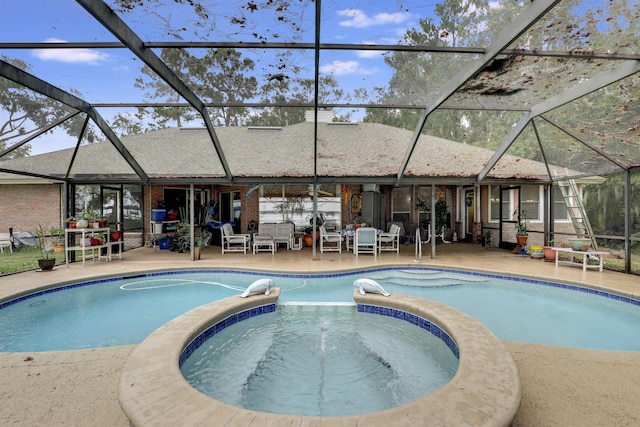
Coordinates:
(494, 205)
(424, 199)
(294, 203)
(401, 204)
(530, 197)
(530, 201)
(560, 212)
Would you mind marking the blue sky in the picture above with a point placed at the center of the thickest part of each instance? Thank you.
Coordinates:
(64, 21)
(107, 75)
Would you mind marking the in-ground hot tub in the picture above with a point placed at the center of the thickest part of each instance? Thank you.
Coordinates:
(485, 390)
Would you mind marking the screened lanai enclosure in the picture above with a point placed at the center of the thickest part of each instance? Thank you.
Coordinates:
(543, 92)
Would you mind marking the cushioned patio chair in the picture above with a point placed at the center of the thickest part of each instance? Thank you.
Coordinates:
(366, 241)
(232, 242)
(330, 241)
(390, 241)
(284, 233)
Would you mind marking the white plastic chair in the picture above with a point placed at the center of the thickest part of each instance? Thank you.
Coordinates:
(390, 241)
(284, 234)
(330, 241)
(366, 241)
(232, 242)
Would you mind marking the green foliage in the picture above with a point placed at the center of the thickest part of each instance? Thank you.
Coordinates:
(57, 234)
(441, 211)
(41, 242)
(220, 76)
(522, 224)
(293, 90)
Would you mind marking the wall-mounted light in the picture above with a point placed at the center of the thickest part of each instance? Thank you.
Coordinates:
(469, 201)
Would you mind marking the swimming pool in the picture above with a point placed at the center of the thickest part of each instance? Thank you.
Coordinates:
(125, 310)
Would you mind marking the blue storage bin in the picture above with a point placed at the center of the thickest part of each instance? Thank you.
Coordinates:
(158, 214)
(164, 243)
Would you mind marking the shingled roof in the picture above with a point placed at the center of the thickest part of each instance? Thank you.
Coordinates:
(347, 152)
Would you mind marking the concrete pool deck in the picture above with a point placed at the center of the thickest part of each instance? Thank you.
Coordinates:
(560, 386)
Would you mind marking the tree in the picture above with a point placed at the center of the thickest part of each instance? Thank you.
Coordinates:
(27, 112)
(281, 88)
(219, 76)
(418, 77)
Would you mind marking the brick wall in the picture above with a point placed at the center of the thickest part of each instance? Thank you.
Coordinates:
(24, 206)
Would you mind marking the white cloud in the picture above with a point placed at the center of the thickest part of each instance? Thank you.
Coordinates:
(367, 54)
(74, 56)
(359, 19)
(340, 68)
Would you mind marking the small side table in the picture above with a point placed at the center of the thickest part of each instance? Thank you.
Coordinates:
(263, 244)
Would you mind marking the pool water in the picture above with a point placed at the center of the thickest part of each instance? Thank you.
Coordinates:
(126, 310)
(320, 361)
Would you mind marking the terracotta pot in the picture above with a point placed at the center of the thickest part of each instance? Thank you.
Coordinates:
(549, 254)
(308, 240)
(522, 240)
(72, 224)
(116, 235)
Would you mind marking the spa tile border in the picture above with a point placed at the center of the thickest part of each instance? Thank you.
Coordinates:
(415, 320)
(221, 325)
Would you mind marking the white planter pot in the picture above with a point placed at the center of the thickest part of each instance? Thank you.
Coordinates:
(87, 241)
(82, 223)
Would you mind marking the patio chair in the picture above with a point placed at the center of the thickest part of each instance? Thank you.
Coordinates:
(330, 241)
(232, 242)
(390, 241)
(366, 241)
(5, 242)
(284, 234)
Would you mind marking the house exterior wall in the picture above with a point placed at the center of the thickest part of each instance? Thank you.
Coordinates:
(24, 206)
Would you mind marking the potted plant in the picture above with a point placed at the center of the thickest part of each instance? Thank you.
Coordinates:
(549, 254)
(522, 227)
(199, 242)
(308, 230)
(116, 235)
(102, 222)
(83, 220)
(71, 221)
(44, 262)
(58, 239)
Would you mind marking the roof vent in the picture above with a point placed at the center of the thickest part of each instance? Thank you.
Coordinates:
(324, 116)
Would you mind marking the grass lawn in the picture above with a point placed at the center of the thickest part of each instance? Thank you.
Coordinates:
(23, 259)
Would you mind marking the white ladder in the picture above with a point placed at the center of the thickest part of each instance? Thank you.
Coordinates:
(577, 213)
